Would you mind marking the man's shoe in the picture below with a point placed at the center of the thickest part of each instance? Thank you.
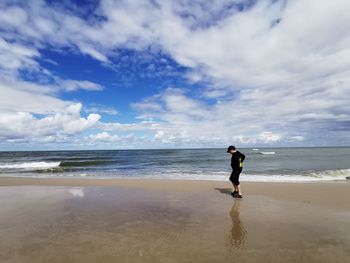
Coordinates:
(234, 193)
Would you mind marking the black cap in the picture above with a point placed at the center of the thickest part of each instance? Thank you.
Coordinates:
(231, 147)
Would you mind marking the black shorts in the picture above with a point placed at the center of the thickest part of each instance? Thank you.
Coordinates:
(234, 178)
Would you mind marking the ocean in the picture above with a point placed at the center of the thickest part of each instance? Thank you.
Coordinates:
(265, 164)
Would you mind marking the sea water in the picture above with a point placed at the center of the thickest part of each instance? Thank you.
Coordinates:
(265, 164)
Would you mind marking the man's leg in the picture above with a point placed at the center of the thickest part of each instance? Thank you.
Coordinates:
(235, 187)
(237, 182)
(239, 189)
(232, 179)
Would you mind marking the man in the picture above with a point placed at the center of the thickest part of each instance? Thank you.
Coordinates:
(237, 166)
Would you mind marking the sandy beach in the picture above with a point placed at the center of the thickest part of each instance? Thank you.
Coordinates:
(133, 220)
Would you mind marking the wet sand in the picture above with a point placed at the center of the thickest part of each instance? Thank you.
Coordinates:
(334, 195)
(69, 220)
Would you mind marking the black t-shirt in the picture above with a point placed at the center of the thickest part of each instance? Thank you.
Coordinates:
(237, 160)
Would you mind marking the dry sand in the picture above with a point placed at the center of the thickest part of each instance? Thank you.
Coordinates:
(123, 220)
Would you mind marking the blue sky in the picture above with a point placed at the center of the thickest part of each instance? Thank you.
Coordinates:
(167, 74)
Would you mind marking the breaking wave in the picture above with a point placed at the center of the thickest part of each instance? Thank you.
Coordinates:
(311, 176)
(82, 163)
(341, 173)
(50, 166)
(267, 153)
(30, 165)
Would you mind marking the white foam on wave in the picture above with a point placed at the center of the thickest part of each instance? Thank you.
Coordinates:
(329, 175)
(312, 176)
(255, 149)
(288, 178)
(341, 173)
(267, 153)
(30, 165)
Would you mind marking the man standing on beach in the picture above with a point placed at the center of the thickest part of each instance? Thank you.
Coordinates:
(237, 166)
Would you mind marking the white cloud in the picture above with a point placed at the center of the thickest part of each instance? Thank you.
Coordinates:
(104, 137)
(115, 126)
(286, 77)
(31, 112)
(267, 137)
(159, 134)
(297, 138)
(15, 125)
(97, 108)
(93, 53)
(72, 122)
(14, 16)
(278, 66)
(14, 56)
(113, 141)
(73, 85)
(21, 96)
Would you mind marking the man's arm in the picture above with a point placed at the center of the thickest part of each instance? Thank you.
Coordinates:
(232, 163)
(242, 156)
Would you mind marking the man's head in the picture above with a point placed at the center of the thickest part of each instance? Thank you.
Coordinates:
(231, 149)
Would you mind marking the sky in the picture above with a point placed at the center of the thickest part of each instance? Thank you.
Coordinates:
(142, 74)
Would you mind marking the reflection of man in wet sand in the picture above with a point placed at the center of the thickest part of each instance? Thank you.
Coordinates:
(238, 233)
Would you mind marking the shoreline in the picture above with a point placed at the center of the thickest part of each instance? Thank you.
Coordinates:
(27, 178)
(327, 194)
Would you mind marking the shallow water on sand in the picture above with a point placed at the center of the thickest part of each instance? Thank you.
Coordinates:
(117, 224)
